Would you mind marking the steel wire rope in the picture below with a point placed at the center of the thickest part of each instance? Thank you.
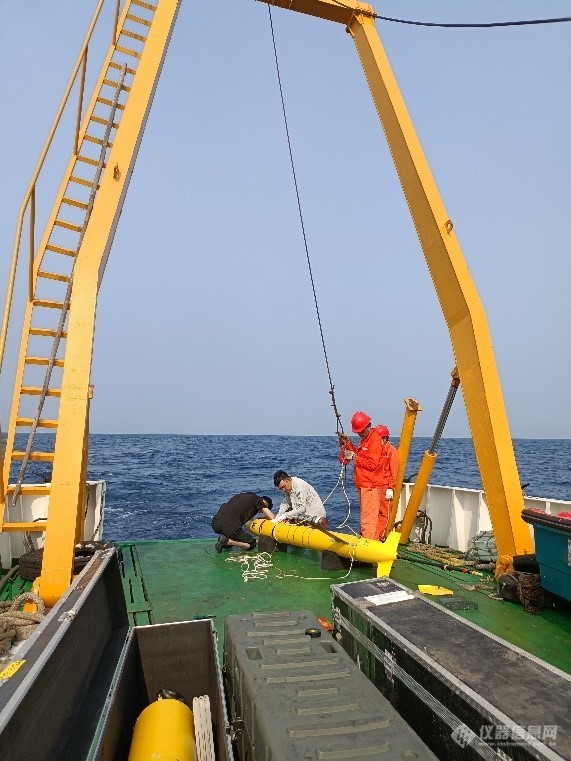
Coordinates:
(341, 480)
(281, 575)
(339, 424)
(331, 386)
(258, 566)
(484, 25)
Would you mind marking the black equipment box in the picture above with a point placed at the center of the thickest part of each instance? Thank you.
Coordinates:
(298, 695)
(467, 693)
(80, 681)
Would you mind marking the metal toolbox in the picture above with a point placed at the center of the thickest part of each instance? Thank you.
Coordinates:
(468, 694)
(181, 657)
(295, 694)
(83, 677)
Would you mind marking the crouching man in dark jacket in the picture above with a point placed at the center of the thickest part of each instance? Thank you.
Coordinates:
(230, 519)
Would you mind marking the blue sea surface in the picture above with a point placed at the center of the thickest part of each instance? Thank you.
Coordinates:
(170, 486)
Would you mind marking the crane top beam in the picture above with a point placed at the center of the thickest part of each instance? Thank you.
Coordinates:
(330, 10)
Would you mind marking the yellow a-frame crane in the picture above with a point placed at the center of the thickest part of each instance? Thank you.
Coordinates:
(119, 108)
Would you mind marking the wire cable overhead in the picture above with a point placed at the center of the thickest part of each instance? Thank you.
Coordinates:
(484, 25)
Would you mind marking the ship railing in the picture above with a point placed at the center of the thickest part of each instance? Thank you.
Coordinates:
(28, 207)
(459, 514)
(33, 506)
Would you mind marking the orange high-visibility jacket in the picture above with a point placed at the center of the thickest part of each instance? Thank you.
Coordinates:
(376, 463)
(370, 461)
(392, 465)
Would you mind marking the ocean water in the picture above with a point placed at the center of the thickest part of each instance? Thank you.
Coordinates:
(169, 487)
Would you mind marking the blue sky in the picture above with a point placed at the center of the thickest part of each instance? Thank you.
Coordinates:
(206, 322)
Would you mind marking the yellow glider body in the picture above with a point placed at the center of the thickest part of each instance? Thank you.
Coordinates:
(381, 554)
(164, 732)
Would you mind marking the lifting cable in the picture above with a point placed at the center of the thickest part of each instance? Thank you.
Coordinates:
(331, 386)
(339, 425)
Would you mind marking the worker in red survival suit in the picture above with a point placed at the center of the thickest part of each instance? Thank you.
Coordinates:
(376, 465)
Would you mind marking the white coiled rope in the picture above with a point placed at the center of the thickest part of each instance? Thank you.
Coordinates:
(257, 566)
(253, 566)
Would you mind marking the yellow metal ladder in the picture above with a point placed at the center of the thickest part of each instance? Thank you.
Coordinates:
(90, 190)
(61, 309)
(44, 334)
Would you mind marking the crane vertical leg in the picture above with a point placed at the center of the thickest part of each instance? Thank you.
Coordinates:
(459, 300)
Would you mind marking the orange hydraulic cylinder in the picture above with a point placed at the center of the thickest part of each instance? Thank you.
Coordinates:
(381, 554)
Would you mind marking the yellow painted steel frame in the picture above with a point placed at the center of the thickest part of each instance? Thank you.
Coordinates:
(412, 408)
(70, 451)
(459, 300)
(35, 266)
(418, 490)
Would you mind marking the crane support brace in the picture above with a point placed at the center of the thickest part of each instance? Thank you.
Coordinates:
(418, 492)
(412, 408)
(459, 300)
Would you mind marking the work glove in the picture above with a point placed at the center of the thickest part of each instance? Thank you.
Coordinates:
(389, 493)
(343, 439)
(345, 456)
(279, 518)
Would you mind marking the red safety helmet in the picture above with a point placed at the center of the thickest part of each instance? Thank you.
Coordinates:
(384, 431)
(360, 421)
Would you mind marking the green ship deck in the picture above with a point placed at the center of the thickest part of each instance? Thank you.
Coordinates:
(166, 581)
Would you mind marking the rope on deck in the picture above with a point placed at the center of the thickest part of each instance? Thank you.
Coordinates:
(530, 592)
(16, 624)
(253, 566)
(257, 567)
(438, 554)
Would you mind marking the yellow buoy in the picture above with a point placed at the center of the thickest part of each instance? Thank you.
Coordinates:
(164, 732)
(382, 554)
